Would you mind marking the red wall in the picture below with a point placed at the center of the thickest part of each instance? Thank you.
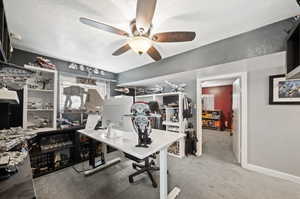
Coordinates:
(223, 100)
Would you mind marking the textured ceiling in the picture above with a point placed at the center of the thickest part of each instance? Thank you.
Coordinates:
(51, 27)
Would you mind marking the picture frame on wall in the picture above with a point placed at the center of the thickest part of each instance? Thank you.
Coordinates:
(283, 91)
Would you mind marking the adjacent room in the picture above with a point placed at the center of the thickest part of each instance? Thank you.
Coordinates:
(219, 124)
(130, 99)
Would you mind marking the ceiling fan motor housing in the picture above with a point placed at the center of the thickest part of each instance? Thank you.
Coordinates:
(140, 32)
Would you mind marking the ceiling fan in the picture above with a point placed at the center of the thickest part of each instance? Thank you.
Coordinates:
(141, 40)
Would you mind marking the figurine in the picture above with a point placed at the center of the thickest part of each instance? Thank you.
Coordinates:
(156, 89)
(74, 91)
(141, 115)
(176, 87)
(45, 63)
(122, 90)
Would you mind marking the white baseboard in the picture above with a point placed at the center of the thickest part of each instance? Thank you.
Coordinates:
(273, 173)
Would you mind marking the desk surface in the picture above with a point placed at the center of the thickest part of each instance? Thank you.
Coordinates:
(127, 141)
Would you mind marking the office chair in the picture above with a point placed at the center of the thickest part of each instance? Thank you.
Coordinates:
(148, 166)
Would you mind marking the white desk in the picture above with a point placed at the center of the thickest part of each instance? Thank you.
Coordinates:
(126, 142)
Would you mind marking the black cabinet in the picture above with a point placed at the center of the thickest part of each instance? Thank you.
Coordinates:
(55, 150)
(5, 42)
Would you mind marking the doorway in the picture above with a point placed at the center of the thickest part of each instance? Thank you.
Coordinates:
(221, 117)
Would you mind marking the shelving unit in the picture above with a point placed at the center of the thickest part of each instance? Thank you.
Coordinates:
(53, 150)
(40, 100)
(172, 123)
(212, 119)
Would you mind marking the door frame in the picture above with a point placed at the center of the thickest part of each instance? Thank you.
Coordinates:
(244, 111)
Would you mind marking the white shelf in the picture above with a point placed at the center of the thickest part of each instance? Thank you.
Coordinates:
(40, 90)
(48, 96)
(174, 155)
(159, 94)
(171, 108)
(167, 123)
(40, 109)
(39, 69)
(144, 96)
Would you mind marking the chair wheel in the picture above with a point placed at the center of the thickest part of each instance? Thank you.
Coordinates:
(154, 185)
(130, 180)
(152, 163)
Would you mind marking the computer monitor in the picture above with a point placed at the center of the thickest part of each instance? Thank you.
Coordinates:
(114, 111)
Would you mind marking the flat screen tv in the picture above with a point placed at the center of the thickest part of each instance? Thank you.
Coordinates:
(293, 54)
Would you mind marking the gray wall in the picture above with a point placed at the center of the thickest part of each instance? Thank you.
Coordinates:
(273, 130)
(265, 40)
(20, 57)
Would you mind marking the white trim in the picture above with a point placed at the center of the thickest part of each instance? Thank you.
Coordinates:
(273, 173)
(244, 106)
(159, 94)
(244, 120)
(199, 119)
(39, 69)
(209, 84)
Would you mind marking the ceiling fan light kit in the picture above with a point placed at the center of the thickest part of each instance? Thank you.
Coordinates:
(140, 44)
(141, 40)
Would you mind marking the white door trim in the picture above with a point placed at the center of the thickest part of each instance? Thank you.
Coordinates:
(244, 111)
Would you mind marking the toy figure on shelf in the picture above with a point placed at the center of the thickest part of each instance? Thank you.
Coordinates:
(140, 91)
(176, 87)
(122, 90)
(141, 122)
(74, 91)
(44, 63)
(156, 89)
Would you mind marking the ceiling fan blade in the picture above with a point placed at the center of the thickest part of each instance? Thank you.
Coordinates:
(174, 36)
(121, 50)
(144, 14)
(152, 52)
(103, 26)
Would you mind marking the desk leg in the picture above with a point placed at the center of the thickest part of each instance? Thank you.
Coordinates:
(106, 163)
(92, 153)
(104, 151)
(163, 161)
(163, 165)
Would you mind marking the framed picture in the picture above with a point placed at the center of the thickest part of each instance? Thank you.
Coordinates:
(283, 91)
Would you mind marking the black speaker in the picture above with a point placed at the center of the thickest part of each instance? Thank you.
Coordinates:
(298, 1)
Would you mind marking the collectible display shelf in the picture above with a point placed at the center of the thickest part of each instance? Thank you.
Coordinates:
(212, 119)
(171, 107)
(53, 150)
(40, 100)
